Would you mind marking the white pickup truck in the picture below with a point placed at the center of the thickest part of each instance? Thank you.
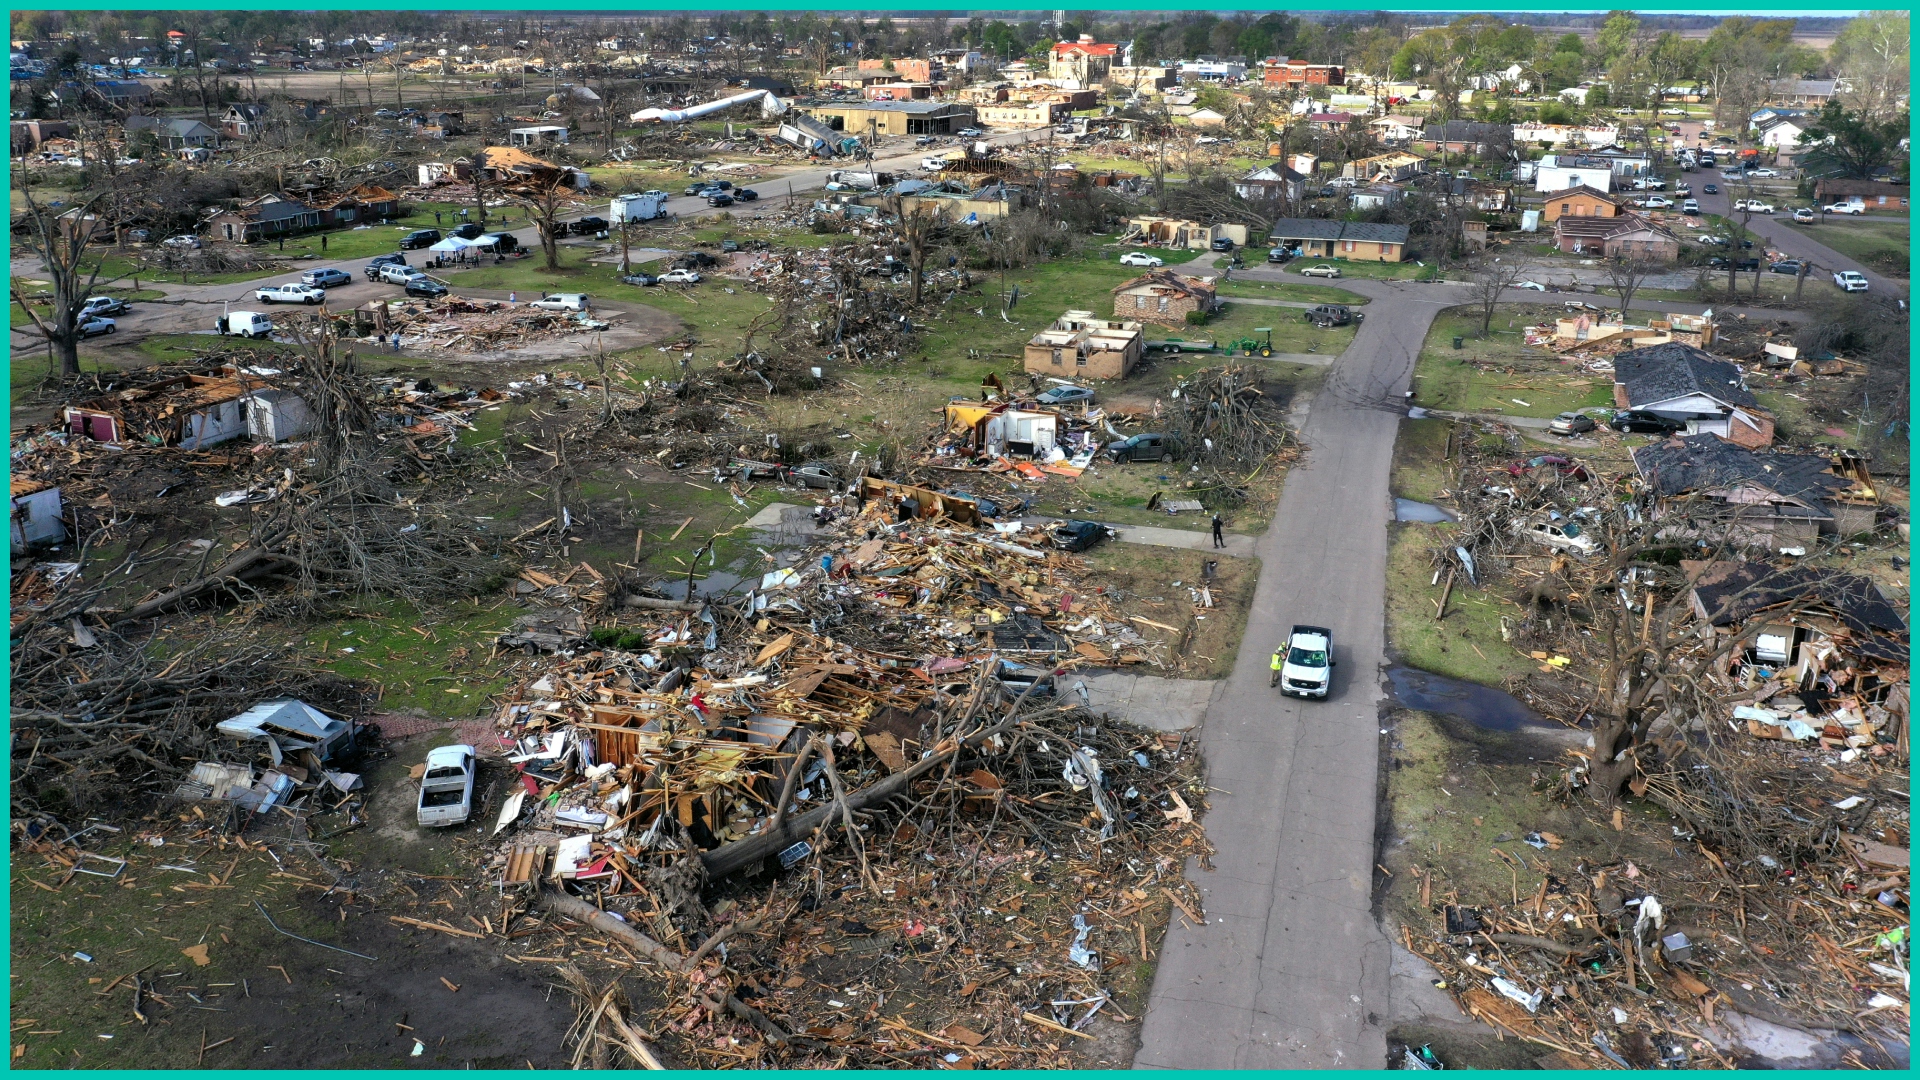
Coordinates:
(1305, 669)
(446, 788)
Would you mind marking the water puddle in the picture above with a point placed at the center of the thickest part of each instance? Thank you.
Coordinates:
(1409, 510)
(1482, 706)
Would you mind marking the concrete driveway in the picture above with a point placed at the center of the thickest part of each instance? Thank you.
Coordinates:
(1291, 970)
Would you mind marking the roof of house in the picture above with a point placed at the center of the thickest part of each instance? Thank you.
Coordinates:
(1582, 189)
(1272, 174)
(1836, 186)
(1673, 369)
(511, 157)
(1330, 118)
(1464, 131)
(1306, 229)
(1323, 229)
(1168, 279)
(272, 208)
(181, 128)
(1803, 87)
(1085, 48)
(1687, 463)
(889, 106)
(1732, 592)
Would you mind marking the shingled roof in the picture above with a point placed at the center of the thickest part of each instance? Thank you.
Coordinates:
(1663, 372)
(1687, 463)
(1730, 593)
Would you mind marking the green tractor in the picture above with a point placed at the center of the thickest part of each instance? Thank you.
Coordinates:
(1252, 346)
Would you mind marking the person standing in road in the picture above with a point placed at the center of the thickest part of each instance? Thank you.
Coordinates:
(1219, 538)
(513, 298)
(1279, 658)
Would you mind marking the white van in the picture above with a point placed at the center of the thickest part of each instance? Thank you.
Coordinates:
(248, 324)
(563, 302)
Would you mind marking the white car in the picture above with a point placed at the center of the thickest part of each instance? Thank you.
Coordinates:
(93, 326)
(1847, 208)
(1563, 534)
(446, 789)
(1141, 258)
(1690, 206)
(1656, 202)
(680, 277)
(326, 277)
(184, 240)
(1804, 215)
(1851, 280)
(1673, 112)
(1534, 285)
(1322, 270)
(1753, 206)
(1768, 174)
(292, 293)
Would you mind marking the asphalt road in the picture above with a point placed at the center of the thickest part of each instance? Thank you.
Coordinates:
(1794, 242)
(1291, 969)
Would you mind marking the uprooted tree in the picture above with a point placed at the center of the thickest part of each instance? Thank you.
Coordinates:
(545, 201)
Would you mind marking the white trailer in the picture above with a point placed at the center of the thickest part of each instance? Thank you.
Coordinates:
(645, 206)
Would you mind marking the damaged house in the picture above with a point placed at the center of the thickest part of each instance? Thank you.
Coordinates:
(264, 218)
(1679, 382)
(511, 166)
(1078, 345)
(36, 517)
(191, 412)
(1774, 500)
(999, 429)
(1833, 637)
(1158, 296)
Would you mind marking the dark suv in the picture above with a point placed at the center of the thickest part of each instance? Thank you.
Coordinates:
(1147, 446)
(472, 230)
(587, 226)
(419, 238)
(1326, 316)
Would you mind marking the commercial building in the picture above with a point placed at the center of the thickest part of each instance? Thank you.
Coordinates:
(892, 117)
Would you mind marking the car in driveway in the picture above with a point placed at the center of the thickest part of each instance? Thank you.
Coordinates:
(1223, 244)
(424, 286)
(1571, 423)
(680, 277)
(103, 305)
(1805, 216)
(94, 326)
(292, 293)
(1637, 422)
(1306, 669)
(1065, 395)
(1328, 316)
(1325, 270)
(326, 277)
(1076, 535)
(1146, 446)
(1851, 280)
(1854, 208)
(1141, 258)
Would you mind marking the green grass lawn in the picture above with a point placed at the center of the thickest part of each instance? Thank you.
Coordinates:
(1291, 332)
(1881, 244)
(1420, 468)
(1500, 373)
(1290, 290)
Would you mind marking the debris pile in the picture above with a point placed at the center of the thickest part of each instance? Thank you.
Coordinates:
(899, 696)
(465, 324)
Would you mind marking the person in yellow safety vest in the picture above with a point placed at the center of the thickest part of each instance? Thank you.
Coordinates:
(1279, 657)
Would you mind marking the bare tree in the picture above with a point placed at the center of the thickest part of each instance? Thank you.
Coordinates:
(60, 239)
(1491, 276)
(1626, 272)
(544, 203)
(479, 171)
(918, 229)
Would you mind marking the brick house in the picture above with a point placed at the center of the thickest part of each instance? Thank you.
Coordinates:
(1162, 296)
(1301, 73)
(265, 218)
(1627, 235)
(1079, 346)
(1876, 195)
(367, 202)
(1326, 239)
(1086, 61)
(1581, 201)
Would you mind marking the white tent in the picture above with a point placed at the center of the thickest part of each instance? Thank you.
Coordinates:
(454, 244)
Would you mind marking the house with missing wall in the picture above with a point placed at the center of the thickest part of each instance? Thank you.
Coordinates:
(1706, 488)
(1163, 296)
(1080, 345)
(1680, 382)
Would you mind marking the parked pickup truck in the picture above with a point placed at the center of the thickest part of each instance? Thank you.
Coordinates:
(1306, 669)
(446, 790)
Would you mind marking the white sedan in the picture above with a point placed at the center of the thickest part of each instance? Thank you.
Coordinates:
(680, 277)
(94, 325)
(1322, 270)
(1141, 258)
(291, 293)
(1767, 174)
